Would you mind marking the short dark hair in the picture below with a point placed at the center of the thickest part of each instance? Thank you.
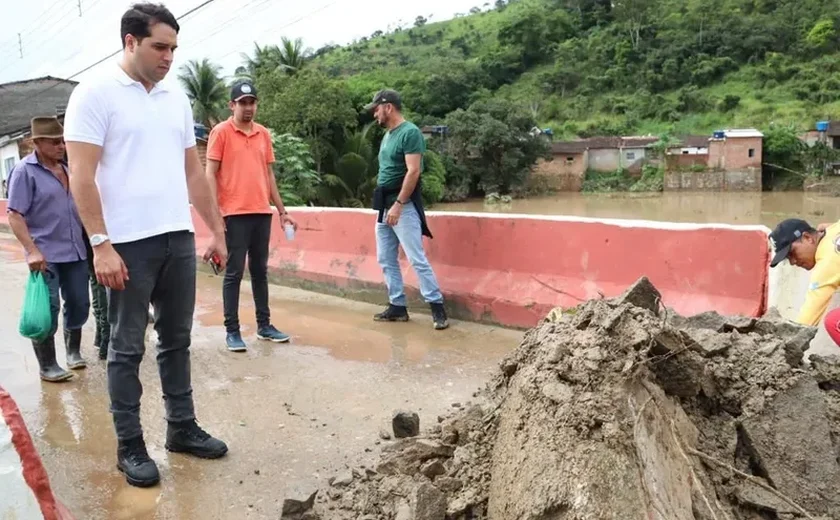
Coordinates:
(140, 18)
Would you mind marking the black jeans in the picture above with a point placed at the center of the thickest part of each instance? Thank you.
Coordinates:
(161, 271)
(247, 234)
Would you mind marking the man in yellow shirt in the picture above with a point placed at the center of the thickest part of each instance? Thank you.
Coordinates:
(817, 251)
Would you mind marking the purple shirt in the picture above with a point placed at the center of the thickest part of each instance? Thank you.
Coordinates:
(48, 209)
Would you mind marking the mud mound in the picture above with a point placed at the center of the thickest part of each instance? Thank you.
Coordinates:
(620, 409)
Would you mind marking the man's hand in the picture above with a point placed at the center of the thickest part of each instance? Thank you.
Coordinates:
(109, 267)
(394, 214)
(823, 227)
(217, 251)
(286, 219)
(36, 261)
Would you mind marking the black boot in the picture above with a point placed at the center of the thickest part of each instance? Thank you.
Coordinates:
(73, 344)
(49, 369)
(392, 313)
(188, 437)
(439, 316)
(134, 461)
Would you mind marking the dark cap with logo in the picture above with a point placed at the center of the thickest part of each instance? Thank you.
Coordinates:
(385, 96)
(786, 233)
(243, 89)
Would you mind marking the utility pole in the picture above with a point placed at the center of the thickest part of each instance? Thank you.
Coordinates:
(79, 3)
(20, 46)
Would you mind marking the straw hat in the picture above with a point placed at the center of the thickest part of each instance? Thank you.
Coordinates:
(46, 128)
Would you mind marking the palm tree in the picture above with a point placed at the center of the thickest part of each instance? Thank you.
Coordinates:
(356, 170)
(263, 58)
(292, 55)
(206, 89)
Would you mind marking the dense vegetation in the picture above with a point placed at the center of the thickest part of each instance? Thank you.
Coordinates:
(579, 67)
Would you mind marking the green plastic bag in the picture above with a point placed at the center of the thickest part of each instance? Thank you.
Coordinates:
(36, 318)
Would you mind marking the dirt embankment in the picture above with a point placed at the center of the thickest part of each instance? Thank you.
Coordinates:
(620, 409)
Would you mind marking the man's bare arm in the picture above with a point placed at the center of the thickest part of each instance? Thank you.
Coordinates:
(83, 161)
(21, 232)
(273, 191)
(201, 195)
(412, 162)
(210, 172)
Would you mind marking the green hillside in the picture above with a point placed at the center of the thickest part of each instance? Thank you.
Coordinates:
(586, 67)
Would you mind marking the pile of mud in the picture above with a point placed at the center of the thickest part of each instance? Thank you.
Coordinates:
(620, 409)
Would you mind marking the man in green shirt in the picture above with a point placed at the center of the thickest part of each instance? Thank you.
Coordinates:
(401, 220)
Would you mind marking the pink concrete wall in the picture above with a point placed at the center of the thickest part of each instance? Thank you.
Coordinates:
(512, 269)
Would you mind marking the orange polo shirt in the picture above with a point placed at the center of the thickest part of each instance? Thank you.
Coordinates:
(244, 163)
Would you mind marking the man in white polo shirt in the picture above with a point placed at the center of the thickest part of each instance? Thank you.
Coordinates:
(134, 169)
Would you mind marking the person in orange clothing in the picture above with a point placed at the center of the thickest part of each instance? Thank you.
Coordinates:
(239, 159)
(818, 251)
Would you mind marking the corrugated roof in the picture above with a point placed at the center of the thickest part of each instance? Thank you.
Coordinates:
(568, 147)
(20, 101)
(601, 143)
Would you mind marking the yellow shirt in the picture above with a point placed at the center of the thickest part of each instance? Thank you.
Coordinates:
(825, 278)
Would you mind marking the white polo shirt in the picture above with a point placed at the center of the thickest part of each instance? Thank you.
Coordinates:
(141, 175)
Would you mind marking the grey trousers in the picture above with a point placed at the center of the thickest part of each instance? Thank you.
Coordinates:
(161, 271)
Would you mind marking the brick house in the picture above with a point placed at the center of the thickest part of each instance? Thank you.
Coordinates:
(566, 168)
(730, 160)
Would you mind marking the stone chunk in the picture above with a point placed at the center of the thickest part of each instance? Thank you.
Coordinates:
(642, 294)
(406, 424)
(707, 342)
(298, 501)
(429, 503)
(432, 468)
(407, 455)
(790, 438)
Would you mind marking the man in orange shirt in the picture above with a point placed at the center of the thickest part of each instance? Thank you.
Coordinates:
(239, 158)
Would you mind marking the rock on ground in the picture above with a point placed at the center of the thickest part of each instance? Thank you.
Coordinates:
(406, 424)
(621, 409)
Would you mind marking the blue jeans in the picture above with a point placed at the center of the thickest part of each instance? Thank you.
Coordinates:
(405, 233)
(70, 279)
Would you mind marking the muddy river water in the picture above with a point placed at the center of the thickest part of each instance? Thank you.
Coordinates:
(720, 208)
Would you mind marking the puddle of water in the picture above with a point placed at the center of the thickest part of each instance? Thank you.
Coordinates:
(767, 208)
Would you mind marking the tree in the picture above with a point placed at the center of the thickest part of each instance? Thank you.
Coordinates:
(264, 59)
(206, 90)
(312, 106)
(492, 140)
(296, 179)
(355, 170)
(292, 56)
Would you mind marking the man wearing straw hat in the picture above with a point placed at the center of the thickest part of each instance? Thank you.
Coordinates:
(43, 217)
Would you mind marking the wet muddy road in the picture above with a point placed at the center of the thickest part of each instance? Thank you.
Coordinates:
(290, 414)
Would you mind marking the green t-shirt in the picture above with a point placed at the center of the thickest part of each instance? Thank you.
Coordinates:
(403, 140)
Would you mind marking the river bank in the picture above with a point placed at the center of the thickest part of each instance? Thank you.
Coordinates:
(765, 208)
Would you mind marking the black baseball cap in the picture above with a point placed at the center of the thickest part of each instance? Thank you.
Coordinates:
(243, 89)
(786, 233)
(385, 96)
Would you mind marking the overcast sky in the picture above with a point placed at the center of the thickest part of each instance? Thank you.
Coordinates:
(58, 42)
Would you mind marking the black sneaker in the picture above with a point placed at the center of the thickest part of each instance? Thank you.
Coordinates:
(134, 461)
(188, 437)
(392, 313)
(439, 316)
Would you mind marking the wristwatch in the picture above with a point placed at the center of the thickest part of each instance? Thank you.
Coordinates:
(98, 240)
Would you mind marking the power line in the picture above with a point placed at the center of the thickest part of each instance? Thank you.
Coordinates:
(191, 11)
(286, 25)
(48, 12)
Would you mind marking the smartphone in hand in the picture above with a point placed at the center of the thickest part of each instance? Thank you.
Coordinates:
(215, 264)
